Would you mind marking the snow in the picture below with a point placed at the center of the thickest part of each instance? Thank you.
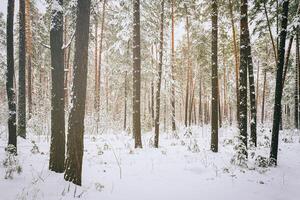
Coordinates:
(182, 168)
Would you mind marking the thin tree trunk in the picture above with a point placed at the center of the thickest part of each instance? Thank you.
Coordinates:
(236, 57)
(11, 96)
(22, 72)
(161, 43)
(96, 103)
(57, 146)
(125, 102)
(278, 90)
(296, 116)
(73, 164)
(173, 70)
(136, 96)
(270, 32)
(263, 97)
(214, 78)
(188, 71)
(29, 55)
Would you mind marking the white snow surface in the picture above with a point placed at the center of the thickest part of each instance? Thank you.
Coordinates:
(182, 168)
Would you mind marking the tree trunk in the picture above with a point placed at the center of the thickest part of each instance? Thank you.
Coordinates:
(96, 103)
(252, 90)
(214, 78)
(57, 147)
(73, 162)
(243, 73)
(296, 118)
(136, 95)
(29, 55)
(236, 57)
(125, 102)
(98, 94)
(187, 72)
(173, 70)
(161, 42)
(11, 96)
(278, 90)
(22, 72)
(263, 97)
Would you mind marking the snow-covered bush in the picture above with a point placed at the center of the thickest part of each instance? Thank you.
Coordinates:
(11, 162)
(240, 158)
(35, 148)
(261, 161)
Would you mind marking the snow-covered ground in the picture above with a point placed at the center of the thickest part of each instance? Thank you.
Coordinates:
(182, 168)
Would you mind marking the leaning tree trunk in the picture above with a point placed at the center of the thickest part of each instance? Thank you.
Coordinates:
(136, 95)
(161, 43)
(214, 78)
(11, 96)
(243, 73)
(278, 88)
(22, 72)
(73, 163)
(57, 147)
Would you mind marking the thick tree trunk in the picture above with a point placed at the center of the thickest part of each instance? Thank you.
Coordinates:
(278, 90)
(214, 78)
(73, 163)
(161, 43)
(11, 96)
(243, 73)
(57, 147)
(22, 72)
(136, 95)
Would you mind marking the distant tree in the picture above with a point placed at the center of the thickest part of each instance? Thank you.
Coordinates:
(161, 43)
(12, 135)
(73, 163)
(214, 77)
(136, 95)
(22, 72)
(57, 147)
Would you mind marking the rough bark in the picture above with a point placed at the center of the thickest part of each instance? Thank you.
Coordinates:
(243, 73)
(22, 72)
(214, 78)
(173, 71)
(57, 146)
(278, 88)
(11, 96)
(136, 95)
(73, 162)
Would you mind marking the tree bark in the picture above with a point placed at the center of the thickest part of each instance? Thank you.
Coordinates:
(22, 72)
(243, 73)
(161, 43)
(11, 96)
(73, 162)
(136, 95)
(278, 90)
(214, 78)
(173, 70)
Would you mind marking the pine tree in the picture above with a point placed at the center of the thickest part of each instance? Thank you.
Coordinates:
(57, 147)
(278, 88)
(22, 72)
(161, 43)
(243, 73)
(136, 96)
(12, 135)
(73, 163)
(214, 78)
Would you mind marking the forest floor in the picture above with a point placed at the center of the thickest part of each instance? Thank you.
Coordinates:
(182, 168)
